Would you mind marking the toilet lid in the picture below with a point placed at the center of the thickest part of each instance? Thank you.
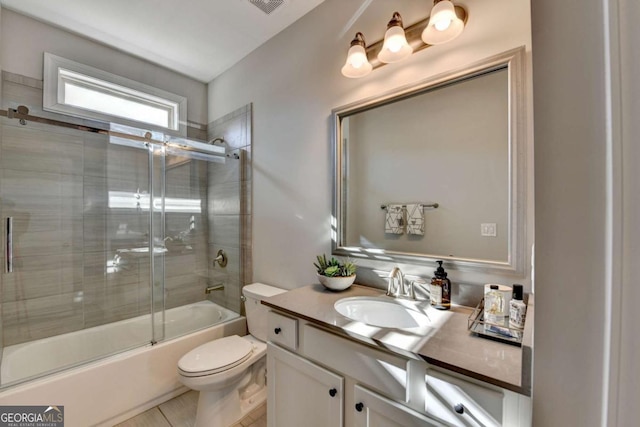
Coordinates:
(215, 356)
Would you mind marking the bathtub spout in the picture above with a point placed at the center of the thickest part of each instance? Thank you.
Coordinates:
(217, 287)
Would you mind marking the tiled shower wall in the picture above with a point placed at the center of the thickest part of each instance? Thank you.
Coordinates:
(55, 183)
(230, 206)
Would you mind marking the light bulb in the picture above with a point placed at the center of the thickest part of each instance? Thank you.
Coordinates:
(395, 42)
(357, 63)
(444, 25)
(395, 47)
(357, 57)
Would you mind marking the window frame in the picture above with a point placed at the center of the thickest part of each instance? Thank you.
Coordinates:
(58, 71)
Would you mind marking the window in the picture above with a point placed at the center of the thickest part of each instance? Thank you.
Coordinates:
(79, 90)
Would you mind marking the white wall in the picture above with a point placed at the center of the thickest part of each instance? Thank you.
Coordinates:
(23, 41)
(625, 371)
(294, 81)
(587, 236)
(570, 169)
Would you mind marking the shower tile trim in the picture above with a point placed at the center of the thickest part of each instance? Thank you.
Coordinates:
(246, 109)
(21, 79)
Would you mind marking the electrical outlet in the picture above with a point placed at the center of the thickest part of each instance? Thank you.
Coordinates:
(488, 230)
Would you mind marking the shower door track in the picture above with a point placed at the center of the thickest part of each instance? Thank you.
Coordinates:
(22, 114)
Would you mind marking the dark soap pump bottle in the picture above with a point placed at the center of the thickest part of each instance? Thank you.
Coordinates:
(440, 289)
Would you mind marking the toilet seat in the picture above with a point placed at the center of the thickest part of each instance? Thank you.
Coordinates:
(216, 356)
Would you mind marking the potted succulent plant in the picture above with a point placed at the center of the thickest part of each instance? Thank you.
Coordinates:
(333, 274)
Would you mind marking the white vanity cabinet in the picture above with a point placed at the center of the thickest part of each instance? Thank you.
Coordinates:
(319, 378)
(302, 393)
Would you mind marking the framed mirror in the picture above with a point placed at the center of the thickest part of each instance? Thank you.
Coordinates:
(436, 170)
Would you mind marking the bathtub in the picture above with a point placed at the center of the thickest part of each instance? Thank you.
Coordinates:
(113, 387)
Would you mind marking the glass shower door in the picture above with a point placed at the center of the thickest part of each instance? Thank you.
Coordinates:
(117, 267)
(189, 269)
(75, 209)
(105, 234)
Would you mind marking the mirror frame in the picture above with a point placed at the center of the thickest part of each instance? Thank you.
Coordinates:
(514, 61)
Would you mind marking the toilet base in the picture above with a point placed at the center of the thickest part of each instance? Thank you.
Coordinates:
(253, 402)
(220, 409)
(227, 406)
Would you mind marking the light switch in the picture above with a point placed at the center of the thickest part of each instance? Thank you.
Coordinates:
(488, 230)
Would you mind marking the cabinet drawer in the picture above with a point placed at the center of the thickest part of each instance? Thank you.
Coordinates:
(381, 371)
(283, 330)
(462, 403)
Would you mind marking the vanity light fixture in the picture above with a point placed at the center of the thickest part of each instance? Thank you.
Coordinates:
(444, 25)
(395, 47)
(357, 64)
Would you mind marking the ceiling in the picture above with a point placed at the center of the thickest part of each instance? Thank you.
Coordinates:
(198, 38)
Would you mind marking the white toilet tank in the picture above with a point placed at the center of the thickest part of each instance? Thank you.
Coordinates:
(256, 312)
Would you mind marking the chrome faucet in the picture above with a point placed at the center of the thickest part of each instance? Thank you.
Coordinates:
(396, 282)
(397, 288)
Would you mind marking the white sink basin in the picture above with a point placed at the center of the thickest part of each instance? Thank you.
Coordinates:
(378, 311)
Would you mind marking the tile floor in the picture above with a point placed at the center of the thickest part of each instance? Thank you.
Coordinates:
(181, 412)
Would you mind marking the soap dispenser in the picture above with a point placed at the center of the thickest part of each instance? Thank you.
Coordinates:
(518, 309)
(440, 289)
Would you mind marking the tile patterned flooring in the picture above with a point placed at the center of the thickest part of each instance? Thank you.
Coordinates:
(181, 412)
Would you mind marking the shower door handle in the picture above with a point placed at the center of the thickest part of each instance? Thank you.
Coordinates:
(9, 245)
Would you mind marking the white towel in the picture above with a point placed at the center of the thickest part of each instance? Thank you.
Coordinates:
(394, 219)
(415, 219)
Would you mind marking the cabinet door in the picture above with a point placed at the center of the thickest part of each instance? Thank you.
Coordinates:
(373, 410)
(301, 393)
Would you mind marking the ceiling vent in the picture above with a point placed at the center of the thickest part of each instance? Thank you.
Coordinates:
(267, 6)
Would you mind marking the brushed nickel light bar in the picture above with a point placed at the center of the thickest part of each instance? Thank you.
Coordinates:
(445, 23)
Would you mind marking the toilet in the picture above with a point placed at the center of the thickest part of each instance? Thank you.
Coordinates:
(230, 372)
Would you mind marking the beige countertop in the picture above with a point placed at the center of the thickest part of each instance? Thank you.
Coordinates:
(446, 343)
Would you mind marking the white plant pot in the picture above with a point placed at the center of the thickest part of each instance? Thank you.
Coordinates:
(336, 283)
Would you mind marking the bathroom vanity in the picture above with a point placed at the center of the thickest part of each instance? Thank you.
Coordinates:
(327, 370)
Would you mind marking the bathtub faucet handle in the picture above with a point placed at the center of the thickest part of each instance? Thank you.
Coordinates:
(220, 259)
